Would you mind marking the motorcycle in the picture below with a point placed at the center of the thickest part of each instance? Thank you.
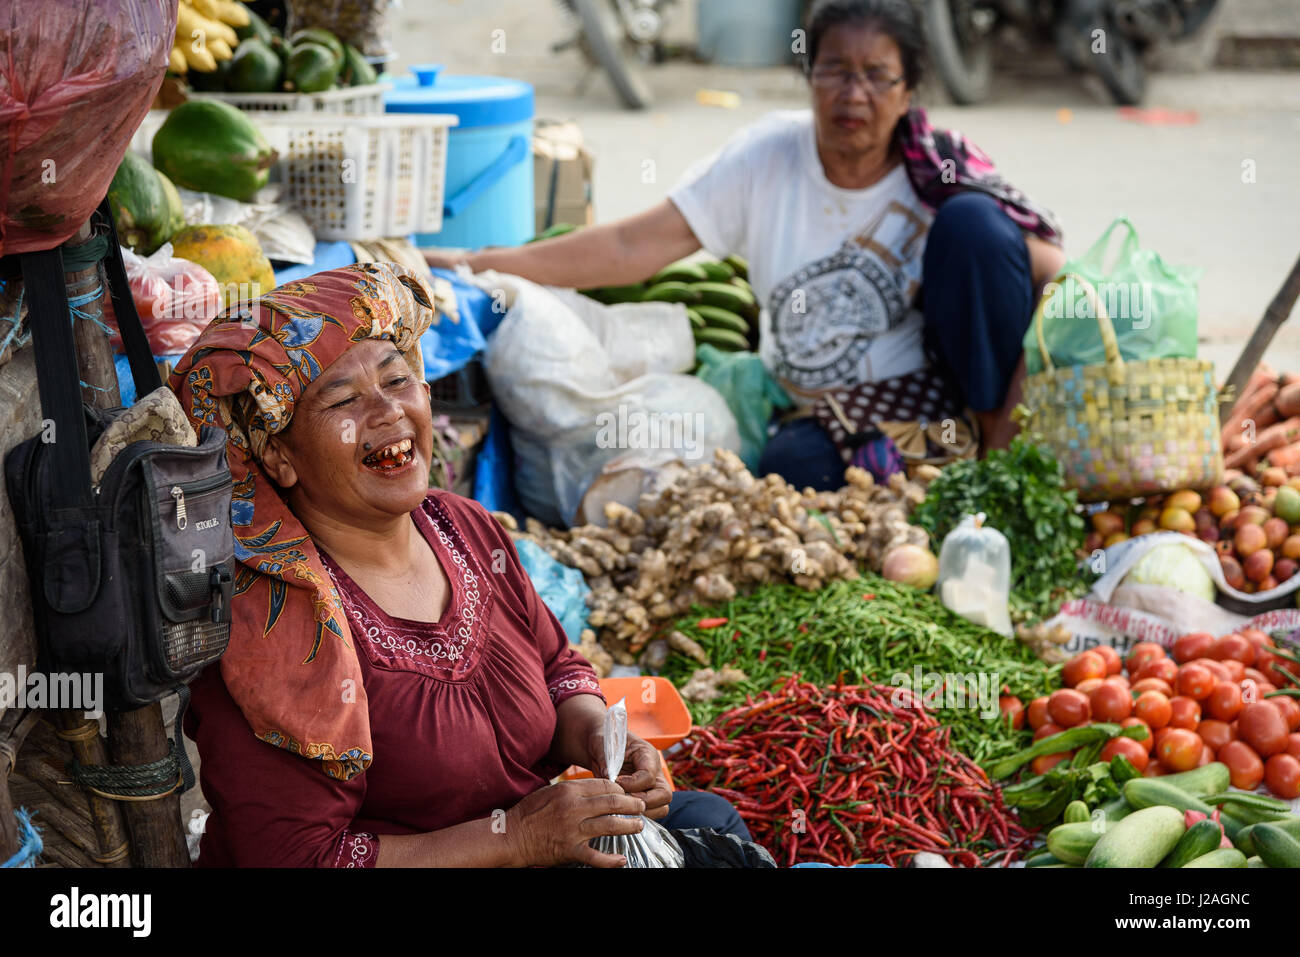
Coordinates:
(621, 37)
(1108, 37)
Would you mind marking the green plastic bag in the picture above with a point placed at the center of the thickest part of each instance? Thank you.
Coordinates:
(1151, 304)
(750, 392)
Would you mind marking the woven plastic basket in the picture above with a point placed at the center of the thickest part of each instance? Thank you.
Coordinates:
(1126, 429)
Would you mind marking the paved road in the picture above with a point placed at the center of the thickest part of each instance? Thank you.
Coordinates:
(1054, 135)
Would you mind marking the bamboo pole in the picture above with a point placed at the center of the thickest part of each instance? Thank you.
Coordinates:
(134, 737)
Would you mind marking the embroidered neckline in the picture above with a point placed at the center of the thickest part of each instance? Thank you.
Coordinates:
(447, 648)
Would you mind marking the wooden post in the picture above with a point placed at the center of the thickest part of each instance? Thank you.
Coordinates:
(1274, 316)
(139, 736)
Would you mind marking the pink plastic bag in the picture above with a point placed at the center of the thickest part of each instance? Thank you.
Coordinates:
(175, 298)
(76, 79)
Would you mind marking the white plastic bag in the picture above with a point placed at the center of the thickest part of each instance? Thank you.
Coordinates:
(175, 298)
(975, 574)
(653, 846)
(584, 384)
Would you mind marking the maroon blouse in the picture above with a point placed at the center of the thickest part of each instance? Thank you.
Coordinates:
(462, 715)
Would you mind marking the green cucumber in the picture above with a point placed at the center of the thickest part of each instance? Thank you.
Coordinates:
(1276, 847)
(1076, 812)
(1044, 860)
(1212, 778)
(1245, 839)
(1255, 862)
(722, 319)
(1223, 857)
(1143, 839)
(1151, 792)
(1072, 843)
(1115, 810)
(1201, 838)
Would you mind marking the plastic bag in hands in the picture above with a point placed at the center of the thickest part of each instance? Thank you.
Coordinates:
(175, 299)
(653, 846)
(76, 79)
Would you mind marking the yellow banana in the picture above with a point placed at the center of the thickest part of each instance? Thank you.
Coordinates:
(198, 57)
(219, 49)
(188, 20)
(225, 11)
(176, 61)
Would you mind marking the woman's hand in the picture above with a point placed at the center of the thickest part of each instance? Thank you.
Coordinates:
(641, 775)
(553, 824)
(447, 259)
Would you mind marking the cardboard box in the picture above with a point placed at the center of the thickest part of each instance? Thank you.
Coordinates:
(561, 175)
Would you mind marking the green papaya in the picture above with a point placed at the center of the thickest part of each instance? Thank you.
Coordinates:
(255, 28)
(211, 146)
(312, 68)
(255, 68)
(146, 208)
(357, 70)
(320, 36)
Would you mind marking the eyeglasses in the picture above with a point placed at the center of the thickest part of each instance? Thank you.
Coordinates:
(876, 81)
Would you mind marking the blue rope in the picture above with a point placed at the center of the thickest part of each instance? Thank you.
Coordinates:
(15, 320)
(74, 305)
(31, 846)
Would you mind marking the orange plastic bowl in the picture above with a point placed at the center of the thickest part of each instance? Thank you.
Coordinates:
(662, 719)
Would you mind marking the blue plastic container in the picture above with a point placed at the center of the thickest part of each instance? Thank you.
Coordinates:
(488, 199)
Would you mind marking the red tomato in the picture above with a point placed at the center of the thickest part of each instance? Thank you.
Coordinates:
(1260, 640)
(1293, 744)
(1149, 741)
(1207, 756)
(1087, 685)
(1195, 681)
(1068, 707)
(1143, 652)
(1282, 775)
(1045, 763)
(1195, 644)
(1236, 670)
(1244, 765)
(1121, 678)
(1224, 702)
(1110, 701)
(1277, 667)
(1289, 710)
(1084, 665)
(1036, 713)
(1254, 675)
(1133, 750)
(1114, 664)
(1010, 705)
(1261, 726)
(1157, 736)
(1166, 669)
(1234, 647)
(1217, 668)
(1153, 708)
(1153, 684)
(1179, 750)
(1047, 730)
(1154, 770)
(1215, 733)
(1184, 713)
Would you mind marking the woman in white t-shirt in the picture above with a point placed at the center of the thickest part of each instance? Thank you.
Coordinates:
(884, 253)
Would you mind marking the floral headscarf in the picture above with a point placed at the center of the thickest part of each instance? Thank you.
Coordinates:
(291, 657)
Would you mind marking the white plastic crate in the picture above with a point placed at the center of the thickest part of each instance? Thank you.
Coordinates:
(358, 177)
(353, 177)
(367, 99)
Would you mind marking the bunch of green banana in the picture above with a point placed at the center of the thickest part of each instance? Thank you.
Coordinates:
(718, 298)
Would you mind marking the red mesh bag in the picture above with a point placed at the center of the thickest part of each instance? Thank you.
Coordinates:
(76, 79)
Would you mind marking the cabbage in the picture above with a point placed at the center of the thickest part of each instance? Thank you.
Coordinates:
(1174, 566)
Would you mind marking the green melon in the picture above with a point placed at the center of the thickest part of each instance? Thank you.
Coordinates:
(213, 147)
(146, 208)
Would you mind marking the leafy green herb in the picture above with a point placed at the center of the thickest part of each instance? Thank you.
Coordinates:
(1022, 493)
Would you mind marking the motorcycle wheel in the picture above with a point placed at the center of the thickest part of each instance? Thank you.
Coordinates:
(962, 54)
(602, 33)
(1122, 68)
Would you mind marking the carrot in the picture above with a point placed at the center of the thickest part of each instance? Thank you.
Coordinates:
(1270, 415)
(1248, 407)
(1286, 456)
(1274, 437)
(1235, 442)
(1290, 378)
(1288, 400)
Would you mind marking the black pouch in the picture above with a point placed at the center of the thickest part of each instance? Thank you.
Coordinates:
(132, 579)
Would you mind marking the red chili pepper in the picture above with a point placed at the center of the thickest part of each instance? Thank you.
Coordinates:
(762, 654)
(710, 622)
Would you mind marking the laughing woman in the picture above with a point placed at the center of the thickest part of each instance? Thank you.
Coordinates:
(897, 272)
(394, 692)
